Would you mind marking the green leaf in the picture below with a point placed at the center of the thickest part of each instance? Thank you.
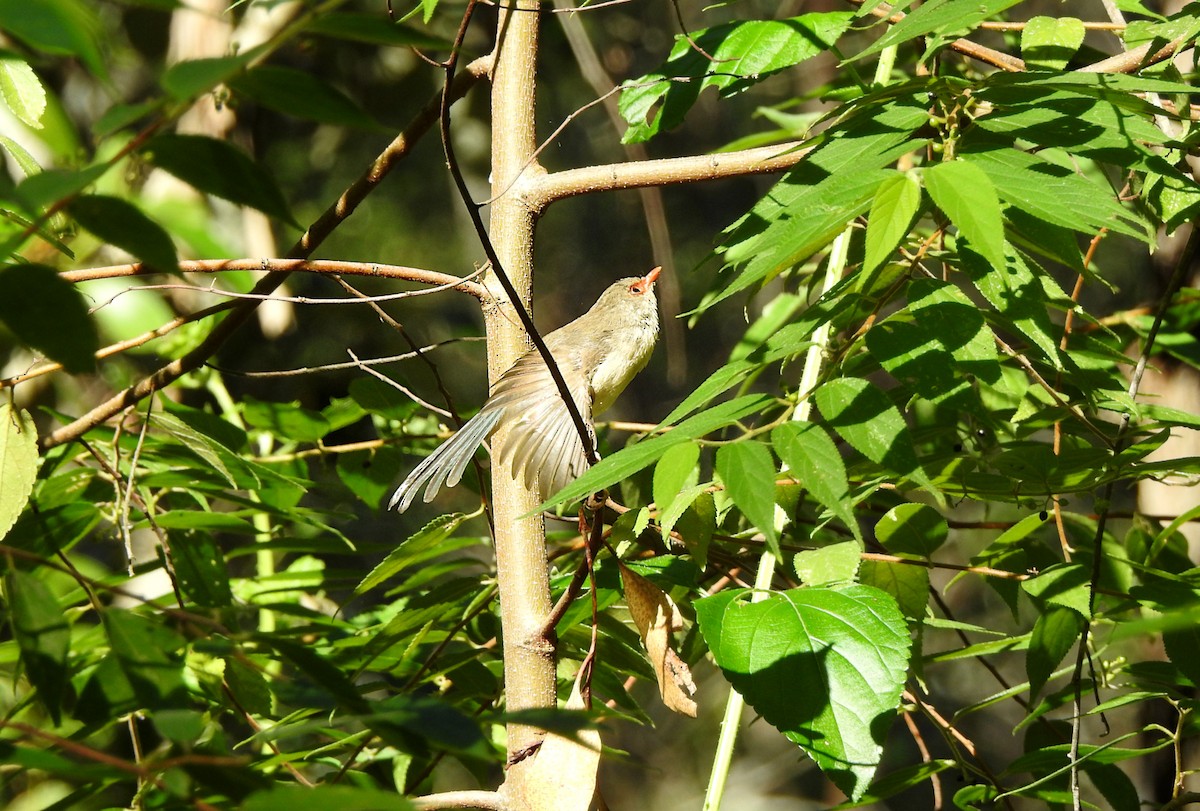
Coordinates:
(1064, 584)
(18, 461)
(43, 635)
(40, 191)
(145, 650)
(371, 28)
(303, 95)
(825, 666)
(213, 454)
(864, 416)
(897, 201)
(122, 224)
(200, 569)
(1020, 299)
(63, 27)
(26, 161)
(815, 200)
(1053, 192)
(964, 192)
(748, 472)
(813, 458)
(829, 565)
(631, 459)
(219, 169)
(22, 90)
(943, 18)
(1048, 43)
(1054, 634)
(428, 543)
(1181, 645)
(190, 78)
(288, 420)
(912, 529)
(675, 472)
(908, 585)
(48, 314)
(900, 780)
(742, 54)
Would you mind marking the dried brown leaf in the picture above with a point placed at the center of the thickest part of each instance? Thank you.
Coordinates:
(656, 617)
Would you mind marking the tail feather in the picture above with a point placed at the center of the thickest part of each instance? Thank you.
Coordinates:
(446, 464)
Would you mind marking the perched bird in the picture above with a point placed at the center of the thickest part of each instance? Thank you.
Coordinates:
(597, 353)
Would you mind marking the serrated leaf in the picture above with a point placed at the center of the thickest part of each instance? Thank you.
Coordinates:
(942, 18)
(748, 471)
(200, 569)
(43, 636)
(864, 416)
(146, 652)
(57, 27)
(966, 195)
(192, 77)
(912, 529)
(427, 543)
(907, 584)
(825, 666)
(895, 207)
(813, 202)
(1063, 584)
(612, 469)
(1048, 43)
(22, 90)
(200, 444)
(1052, 192)
(303, 95)
(829, 565)
(1054, 634)
(675, 472)
(742, 53)
(26, 161)
(18, 463)
(219, 169)
(813, 458)
(48, 314)
(122, 224)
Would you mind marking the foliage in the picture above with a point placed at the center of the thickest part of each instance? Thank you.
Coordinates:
(926, 424)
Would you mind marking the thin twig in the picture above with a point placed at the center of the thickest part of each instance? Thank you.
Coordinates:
(1182, 266)
(312, 238)
(489, 249)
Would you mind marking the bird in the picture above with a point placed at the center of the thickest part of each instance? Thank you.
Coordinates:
(598, 354)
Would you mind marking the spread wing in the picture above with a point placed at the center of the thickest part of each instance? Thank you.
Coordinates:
(543, 438)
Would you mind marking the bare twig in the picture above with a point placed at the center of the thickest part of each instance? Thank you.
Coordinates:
(312, 238)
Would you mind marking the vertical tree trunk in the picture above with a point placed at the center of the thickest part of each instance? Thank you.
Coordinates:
(529, 666)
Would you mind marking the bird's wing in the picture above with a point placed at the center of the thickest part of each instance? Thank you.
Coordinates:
(446, 464)
(543, 438)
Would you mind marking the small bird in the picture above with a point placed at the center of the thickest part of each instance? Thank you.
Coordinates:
(597, 353)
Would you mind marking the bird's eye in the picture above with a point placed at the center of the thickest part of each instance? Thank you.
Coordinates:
(637, 287)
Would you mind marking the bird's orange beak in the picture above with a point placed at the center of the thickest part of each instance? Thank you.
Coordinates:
(652, 276)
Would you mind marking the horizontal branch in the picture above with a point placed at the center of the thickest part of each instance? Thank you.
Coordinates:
(240, 311)
(1134, 59)
(542, 190)
(488, 800)
(329, 266)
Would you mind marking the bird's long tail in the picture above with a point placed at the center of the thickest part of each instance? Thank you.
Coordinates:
(445, 465)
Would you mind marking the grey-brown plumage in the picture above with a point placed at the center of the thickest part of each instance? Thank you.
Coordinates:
(597, 353)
